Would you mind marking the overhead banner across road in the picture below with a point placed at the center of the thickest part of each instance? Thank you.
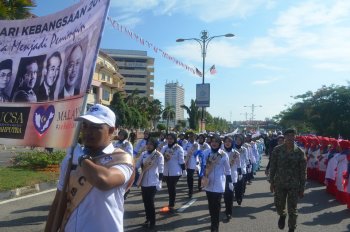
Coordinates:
(46, 67)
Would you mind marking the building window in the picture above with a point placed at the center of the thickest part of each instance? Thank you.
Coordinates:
(105, 95)
(94, 90)
(103, 77)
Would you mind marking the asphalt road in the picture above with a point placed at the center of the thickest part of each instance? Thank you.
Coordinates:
(318, 211)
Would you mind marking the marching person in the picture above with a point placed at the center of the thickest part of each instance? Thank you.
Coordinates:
(182, 141)
(287, 176)
(217, 171)
(233, 156)
(174, 167)
(138, 149)
(202, 147)
(161, 141)
(99, 175)
(123, 143)
(152, 163)
(241, 170)
(141, 145)
(191, 150)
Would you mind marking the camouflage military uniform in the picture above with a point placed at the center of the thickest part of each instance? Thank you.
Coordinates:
(288, 176)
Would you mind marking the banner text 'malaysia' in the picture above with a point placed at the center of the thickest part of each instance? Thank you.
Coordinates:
(50, 26)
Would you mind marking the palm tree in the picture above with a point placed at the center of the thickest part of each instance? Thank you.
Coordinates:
(168, 114)
(16, 9)
(193, 114)
(154, 111)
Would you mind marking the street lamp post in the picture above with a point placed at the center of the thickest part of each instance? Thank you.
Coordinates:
(203, 42)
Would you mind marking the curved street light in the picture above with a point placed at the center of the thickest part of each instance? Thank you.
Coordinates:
(203, 42)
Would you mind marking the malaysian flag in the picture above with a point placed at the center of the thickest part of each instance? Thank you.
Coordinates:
(199, 73)
(212, 70)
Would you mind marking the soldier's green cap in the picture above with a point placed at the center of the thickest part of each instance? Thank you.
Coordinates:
(289, 131)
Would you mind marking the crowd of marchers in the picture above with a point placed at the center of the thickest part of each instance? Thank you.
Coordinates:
(99, 172)
(328, 162)
(220, 165)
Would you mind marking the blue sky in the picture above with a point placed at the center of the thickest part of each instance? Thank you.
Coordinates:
(280, 49)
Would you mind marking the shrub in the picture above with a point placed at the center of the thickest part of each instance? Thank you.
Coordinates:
(37, 159)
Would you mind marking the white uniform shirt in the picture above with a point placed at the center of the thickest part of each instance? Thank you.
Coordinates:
(255, 152)
(322, 166)
(234, 160)
(99, 210)
(140, 147)
(192, 148)
(342, 165)
(172, 167)
(217, 177)
(331, 167)
(124, 145)
(243, 158)
(151, 176)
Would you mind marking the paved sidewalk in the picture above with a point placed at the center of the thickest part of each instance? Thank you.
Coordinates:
(18, 192)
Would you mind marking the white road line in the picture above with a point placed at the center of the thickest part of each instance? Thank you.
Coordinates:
(27, 196)
(185, 206)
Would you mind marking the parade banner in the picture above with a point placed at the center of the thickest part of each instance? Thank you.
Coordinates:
(203, 95)
(46, 68)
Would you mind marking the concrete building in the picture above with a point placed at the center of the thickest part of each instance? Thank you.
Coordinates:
(106, 81)
(175, 96)
(137, 68)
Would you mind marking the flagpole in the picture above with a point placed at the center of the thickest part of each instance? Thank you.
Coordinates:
(203, 42)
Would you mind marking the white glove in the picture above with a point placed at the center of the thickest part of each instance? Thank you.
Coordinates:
(230, 186)
(77, 152)
(184, 173)
(159, 185)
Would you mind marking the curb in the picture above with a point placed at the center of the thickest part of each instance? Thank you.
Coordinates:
(18, 192)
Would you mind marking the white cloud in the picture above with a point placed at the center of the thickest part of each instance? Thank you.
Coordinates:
(205, 10)
(314, 30)
(266, 81)
(338, 67)
(268, 67)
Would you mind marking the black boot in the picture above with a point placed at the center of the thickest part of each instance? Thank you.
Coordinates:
(282, 222)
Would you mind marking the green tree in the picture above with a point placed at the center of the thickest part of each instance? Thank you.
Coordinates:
(161, 127)
(193, 114)
(326, 112)
(154, 111)
(16, 9)
(168, 114)
(120, 109)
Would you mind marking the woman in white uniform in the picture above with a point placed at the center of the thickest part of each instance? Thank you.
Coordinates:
(174, 167)
(216, 172)
(152, 163)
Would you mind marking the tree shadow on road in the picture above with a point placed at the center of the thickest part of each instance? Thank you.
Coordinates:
(329, 218)
(32, 220)
(45, 208)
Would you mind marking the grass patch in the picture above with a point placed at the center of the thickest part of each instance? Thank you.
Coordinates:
(16, 177)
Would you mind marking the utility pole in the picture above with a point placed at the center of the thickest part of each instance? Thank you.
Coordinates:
(253, 109)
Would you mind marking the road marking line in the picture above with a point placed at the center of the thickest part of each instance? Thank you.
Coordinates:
(185, 206)
(27, 196)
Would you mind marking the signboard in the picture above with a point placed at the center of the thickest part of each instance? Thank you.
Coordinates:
(46, 67)
(203, 95)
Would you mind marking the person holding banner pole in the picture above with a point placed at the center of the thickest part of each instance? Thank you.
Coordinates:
(152, 163)
(98, 179)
